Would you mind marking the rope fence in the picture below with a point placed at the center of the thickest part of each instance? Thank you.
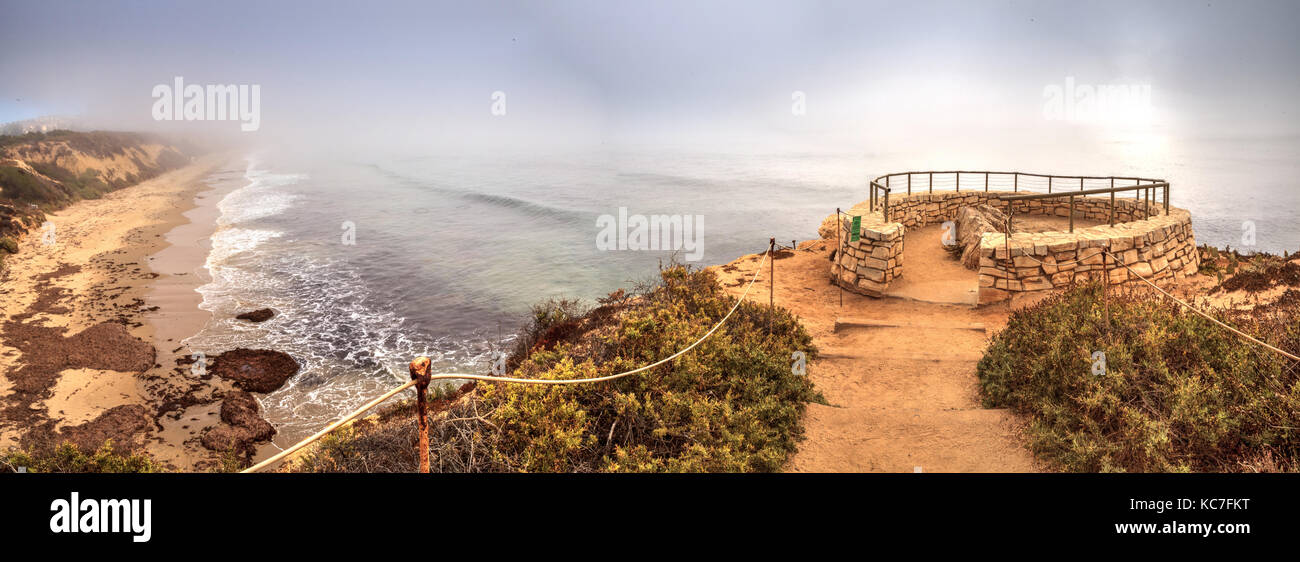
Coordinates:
(421, 377)
(1248, 337)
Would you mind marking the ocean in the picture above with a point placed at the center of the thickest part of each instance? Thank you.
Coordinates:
(371, 262)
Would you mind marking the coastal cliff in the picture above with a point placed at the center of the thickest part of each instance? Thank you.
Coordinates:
(44, 172)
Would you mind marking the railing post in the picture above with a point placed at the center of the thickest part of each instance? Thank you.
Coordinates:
(421, 374)
(931, 182)
(1049, 184)
(1166, 198)
(909, 184)
(771, 291)
(986, 182)
(886, 210)
(958, 182)
(1071, 213)
(1112, 208)
(1016, 186)
(1080, 184)
(839, 253)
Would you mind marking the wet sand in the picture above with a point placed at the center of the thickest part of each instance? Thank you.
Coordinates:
(121, 274)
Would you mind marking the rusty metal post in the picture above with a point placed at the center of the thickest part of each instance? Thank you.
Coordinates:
(1071, 213)
(1105, 283)
(986, 182)
(931, 182)
(886, 208)
(420, 373)
(909, 183)
(1166, 198)
(1016, 185)
(839, 253)
(958, 182)
(1112, 208)
(1081, 184)
(771, 291)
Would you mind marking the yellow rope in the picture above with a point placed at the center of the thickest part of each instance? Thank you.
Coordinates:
(1207, 316)
(464, 376)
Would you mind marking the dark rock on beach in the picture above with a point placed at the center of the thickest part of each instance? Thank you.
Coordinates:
(242, 426)
(255, 370)
(260, 315)
(240, 409)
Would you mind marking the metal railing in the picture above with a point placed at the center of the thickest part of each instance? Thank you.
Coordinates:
(1054, 186)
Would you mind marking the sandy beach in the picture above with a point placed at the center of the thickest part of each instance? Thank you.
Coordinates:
(93, 322)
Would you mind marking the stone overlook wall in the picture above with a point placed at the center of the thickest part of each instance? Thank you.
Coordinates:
(1161, 247)
(868, 265)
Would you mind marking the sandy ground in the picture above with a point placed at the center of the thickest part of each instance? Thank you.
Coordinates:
(129, 259)
(901, 382)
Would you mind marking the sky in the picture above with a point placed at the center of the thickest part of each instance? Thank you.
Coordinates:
(863, 74)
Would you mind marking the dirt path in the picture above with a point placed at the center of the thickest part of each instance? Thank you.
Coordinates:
(899, 375)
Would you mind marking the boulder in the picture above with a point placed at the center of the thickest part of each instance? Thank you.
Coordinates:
(260, 315)
(255, 370)
(972, 224)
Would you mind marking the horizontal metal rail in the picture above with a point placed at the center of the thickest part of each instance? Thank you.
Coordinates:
(882, 186)
(1098, 191)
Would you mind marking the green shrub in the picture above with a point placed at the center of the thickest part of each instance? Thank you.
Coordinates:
(70, 458)
(1179, 393)
(333, 453)
(17, 184)
(8, 244)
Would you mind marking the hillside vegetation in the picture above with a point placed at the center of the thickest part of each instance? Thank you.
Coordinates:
(1178, 393)
(732, 404)
(44, 172)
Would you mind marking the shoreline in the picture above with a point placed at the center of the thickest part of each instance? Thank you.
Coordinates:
(126, 263)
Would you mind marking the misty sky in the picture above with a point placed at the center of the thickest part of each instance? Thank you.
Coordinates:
(609, 71)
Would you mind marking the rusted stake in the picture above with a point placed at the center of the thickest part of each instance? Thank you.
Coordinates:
(1112, 208)
(420, 373)
(1105, 284)
(839, 249)
(1071, 213)
(771, 291)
